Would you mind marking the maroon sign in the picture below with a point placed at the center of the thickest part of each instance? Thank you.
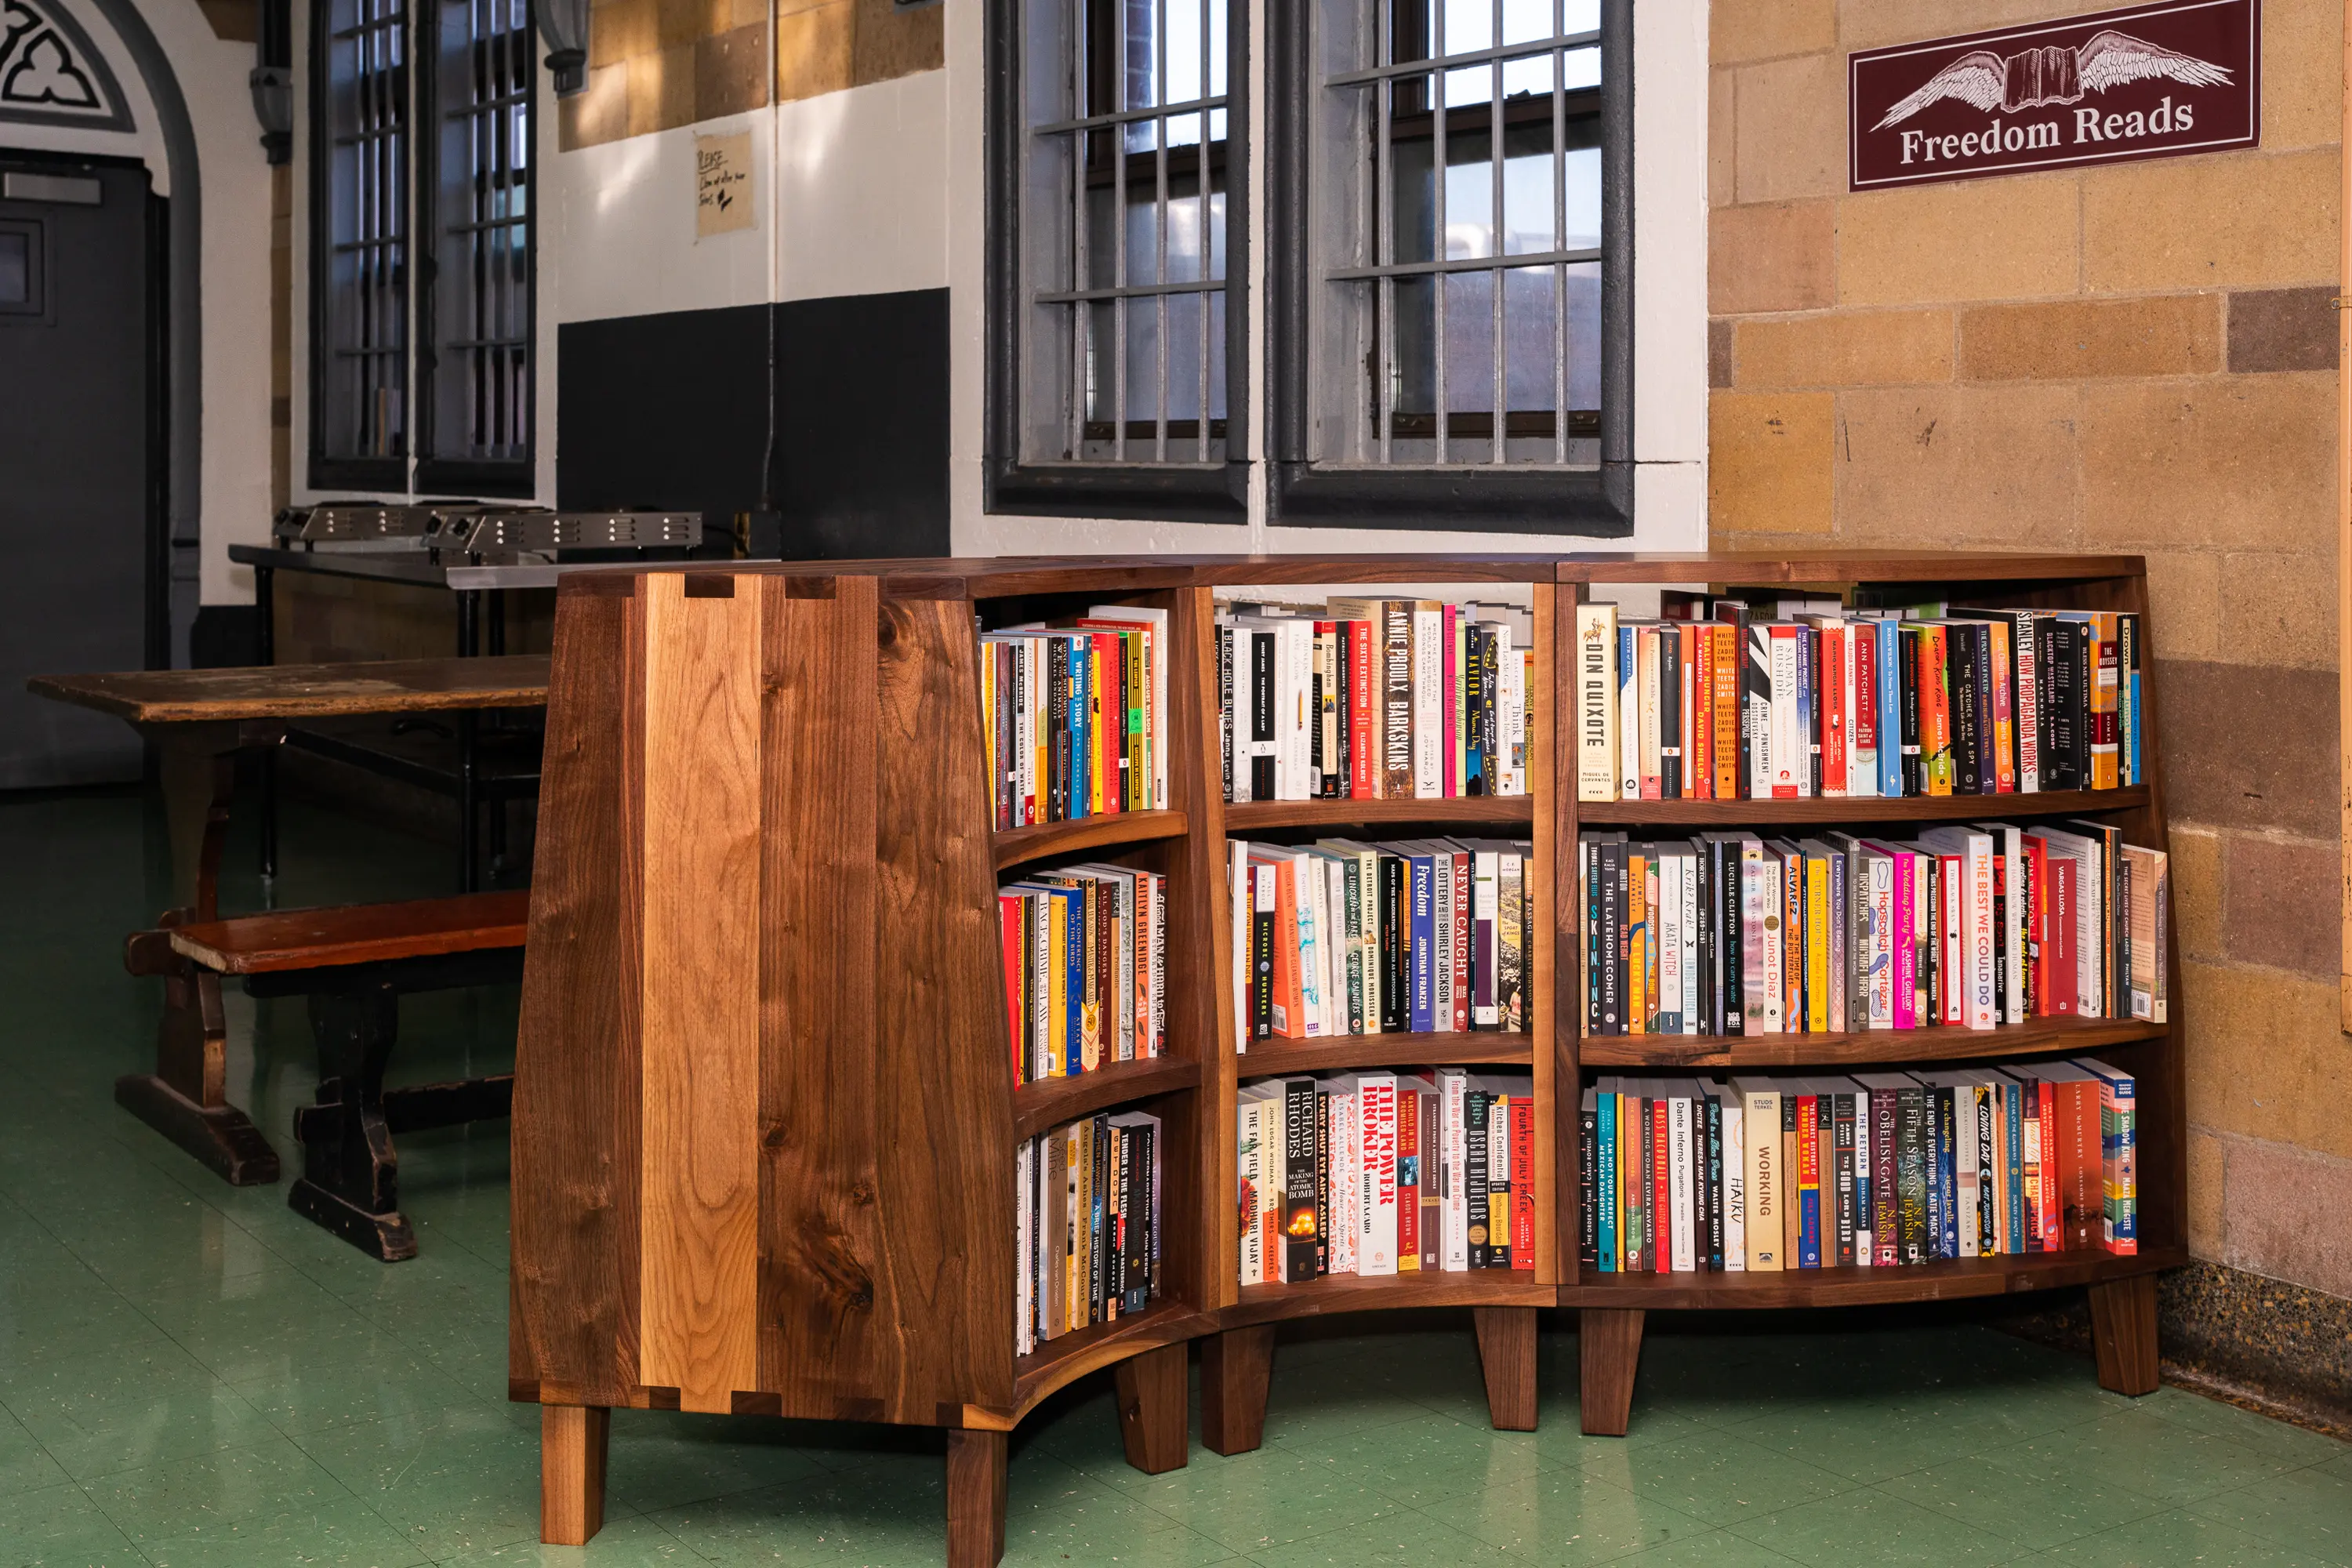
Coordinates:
(2149, 81)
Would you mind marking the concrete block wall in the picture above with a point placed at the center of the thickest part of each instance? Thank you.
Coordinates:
(2132, 358)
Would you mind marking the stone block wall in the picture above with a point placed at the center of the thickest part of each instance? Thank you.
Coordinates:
(2134, 358)
(656, 65)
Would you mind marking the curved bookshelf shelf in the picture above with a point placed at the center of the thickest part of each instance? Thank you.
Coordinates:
(1353, 1293)
(1471, 811)
(1948, 1281)
(1051, 1102)
(1271, 1058)
(1016, 845)
(1726, 814)
(1057, 1363)
(1941, 1044)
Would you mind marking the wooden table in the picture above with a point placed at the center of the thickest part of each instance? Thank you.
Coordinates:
(198, 719)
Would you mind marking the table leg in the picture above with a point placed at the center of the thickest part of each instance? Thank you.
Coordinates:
(469, 805)
(186, 1098)
(264, 604)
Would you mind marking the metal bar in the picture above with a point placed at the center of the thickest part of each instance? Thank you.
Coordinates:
(1081, 315)
(1119, 273)
(1495, 233)
(1136, 291)
(1201, 164)
(1384, 215)
(1159, 218)
(1439, 245)
(1467, 58)
(1128, 116)
(1558, 241)
(1456, 264)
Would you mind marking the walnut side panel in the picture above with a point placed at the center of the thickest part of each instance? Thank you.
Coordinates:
(700, 963)
(572, 1318)
(1199, 970)
(1555, 1149)
(822, 1328)
(942, 1074)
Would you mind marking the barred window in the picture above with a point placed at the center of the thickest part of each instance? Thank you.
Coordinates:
(360, 255)
(477, 424)
(1452, 217)
(1115, 233)
(455, 395)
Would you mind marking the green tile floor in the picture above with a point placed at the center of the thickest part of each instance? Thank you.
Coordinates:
(191, 1376)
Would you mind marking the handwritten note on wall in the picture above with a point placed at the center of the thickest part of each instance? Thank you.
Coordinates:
(722, 185)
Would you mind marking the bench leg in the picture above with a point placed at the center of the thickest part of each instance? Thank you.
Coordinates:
(351, 1177)
(975, 1498)
(185, 1097)
(572, 1448)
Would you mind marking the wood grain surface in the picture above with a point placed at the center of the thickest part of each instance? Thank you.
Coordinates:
(1765, 815)
(1940, 1043)
(306, 691)
(355, 934)
(571, 1326)
(701, 966)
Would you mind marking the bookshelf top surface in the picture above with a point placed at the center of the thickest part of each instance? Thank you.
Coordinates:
(988, 577)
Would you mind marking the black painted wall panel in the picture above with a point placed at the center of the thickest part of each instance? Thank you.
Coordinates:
(672, 410)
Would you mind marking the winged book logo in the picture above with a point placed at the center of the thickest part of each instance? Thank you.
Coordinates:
(2165, 79)
(2053, 73)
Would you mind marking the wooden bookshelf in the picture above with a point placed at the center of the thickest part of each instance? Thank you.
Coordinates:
(764, 1114)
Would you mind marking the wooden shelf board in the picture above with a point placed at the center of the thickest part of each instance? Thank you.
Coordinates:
(1353, 1293)
(1474, 811)
(1271, 1058)
(1727, 813)
(1948, 1281)
(1051, 1102)
(1834, 566)
(1941, 1044)
(1015, 845)
(1057, 1363)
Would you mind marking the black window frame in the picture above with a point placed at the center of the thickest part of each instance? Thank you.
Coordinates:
(416, 468)
(350, 470)
(472, 475)
(1138, 490)
(1594, 503)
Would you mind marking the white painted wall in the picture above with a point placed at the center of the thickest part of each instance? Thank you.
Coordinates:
(234, 499)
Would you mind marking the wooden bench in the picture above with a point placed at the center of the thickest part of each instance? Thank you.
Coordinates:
(355, 962)
(198, 720)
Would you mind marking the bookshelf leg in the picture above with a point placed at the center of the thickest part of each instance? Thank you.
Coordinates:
(572, 1442)
(1236, 1366)
(976, 1499)
(2123, 1332)
(1507, 1354)
(1610, 1349)
(1153, 1409)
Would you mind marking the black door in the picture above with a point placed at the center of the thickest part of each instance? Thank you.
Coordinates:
(78, 511)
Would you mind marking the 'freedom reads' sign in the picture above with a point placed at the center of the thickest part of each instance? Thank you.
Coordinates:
(2149, 81)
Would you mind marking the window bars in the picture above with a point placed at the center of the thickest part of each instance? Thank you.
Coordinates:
(362, 402)
(1461, 248)
(1128, 137)
(480, 379)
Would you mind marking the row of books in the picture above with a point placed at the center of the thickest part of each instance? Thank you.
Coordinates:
(1877, 1169)
(1831, 700)
(1385, 1173)
(1423, 936)
(1073, 717)
(1375, 699)
(1086, 1208)
(1973, 926)
(1085, 964)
